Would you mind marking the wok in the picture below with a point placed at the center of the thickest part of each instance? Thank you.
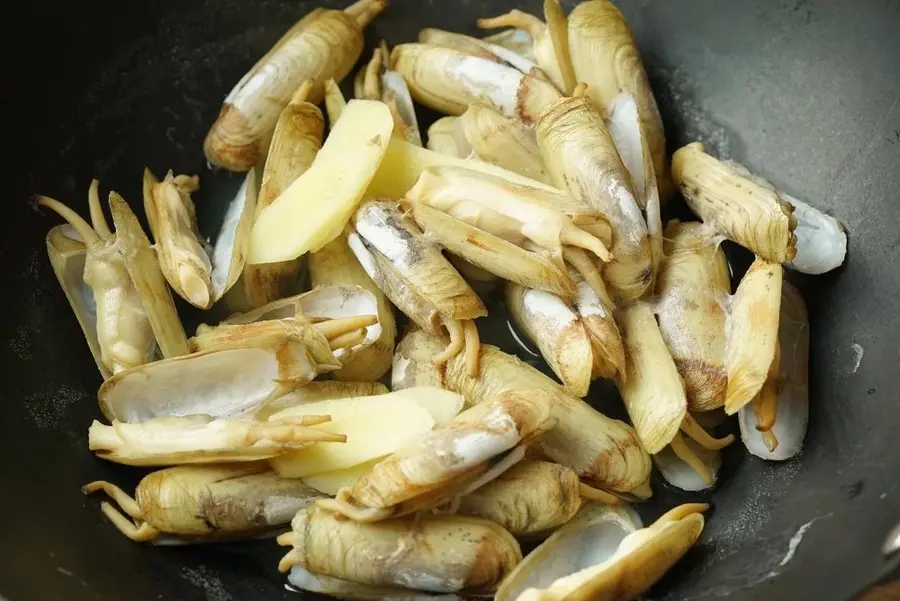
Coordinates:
(806, 92)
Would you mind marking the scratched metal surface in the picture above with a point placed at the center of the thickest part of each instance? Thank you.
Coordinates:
(805, 92)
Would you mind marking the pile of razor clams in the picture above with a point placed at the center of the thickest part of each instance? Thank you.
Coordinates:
(544, 183)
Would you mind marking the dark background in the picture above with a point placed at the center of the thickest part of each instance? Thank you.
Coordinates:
(804, 92)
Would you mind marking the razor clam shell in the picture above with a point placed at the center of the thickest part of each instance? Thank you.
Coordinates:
(651, 388)
(316, 391)
(792, 410)
(492, 253)
(305, 580)
(412, 364)
(590, 538)
(331, 302)
(581, 156)
(230, 247)
(420, 263)
(606, 340)
(693, 288)
(738, 205)
(752, 332)
(606, 58)
(231, 383)
(679, 474)
(433, 36)
(601, 450)
(394, 87)
(148, 279)
(517, 40)
(67, 255)
(821, 239)
(558, 332)
(442, 138)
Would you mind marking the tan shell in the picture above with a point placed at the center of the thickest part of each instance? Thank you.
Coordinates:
(325, 44)
(436, 553)
(693, 289)
(442, 138)
(580, 156)
(530, 498)
(599, 449)
(201, 439)
(651, 387)
(517, 40)
(297, 138)
(448, 81)
(502, 141)
(730, 200)
(319, 390)
(303, 579)
(470, 439)
(752, 332)
(433, 36)
(607, 59)
(335, 264)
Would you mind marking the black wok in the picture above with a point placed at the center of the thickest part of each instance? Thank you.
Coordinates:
(806, 92)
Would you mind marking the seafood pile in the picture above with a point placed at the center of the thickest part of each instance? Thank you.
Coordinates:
(348, 407)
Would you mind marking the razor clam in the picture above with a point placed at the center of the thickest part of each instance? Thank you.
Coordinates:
(457, 452)
(603, 451)
(577, 351)
(448, 81)
(821, 239)
(443, 138)
(654, 394)
(432, 36)
(335, 264)
(581, 156)
(436, 553)
(680, 474)
(789, 389)
(532, 498)
(200, 503)
(303, 579)
(198, 277)
(296, 140)
(492, 253)
(119, 279)
(499, 140)
(382, 83)
(550, 41)
(203, 439)
(516, 213)
(515, 40)
(752, 333)
(622, 564)
(734, 203)
(339, 313)
(324, 44)
(606, 58)
(417, 278)
(693, 288)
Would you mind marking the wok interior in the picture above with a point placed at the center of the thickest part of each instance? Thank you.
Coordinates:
(805, 93)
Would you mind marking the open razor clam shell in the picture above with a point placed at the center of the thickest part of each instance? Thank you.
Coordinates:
(230, 248)
(67, 254)
(442, 138)
(745, 209)
(681, 475)
(473, 437)
(492, 253)
(792, 410)
(316, 391)
(142, 265)
(330, 302)
(752, 332)
(432, 36)
(517, 40)
(435, 553)
(604, 451)
(419, 262)
(590, 538)
(580, 155)
(325, 44)
(231, 383)
(651, 388)
(448, 80)
(693, 290)
(821, 239)
(305, 580)
(501, 141)
(638, 562)
(394, 88)
(558, 332)
(606, 58)
(199, 439)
